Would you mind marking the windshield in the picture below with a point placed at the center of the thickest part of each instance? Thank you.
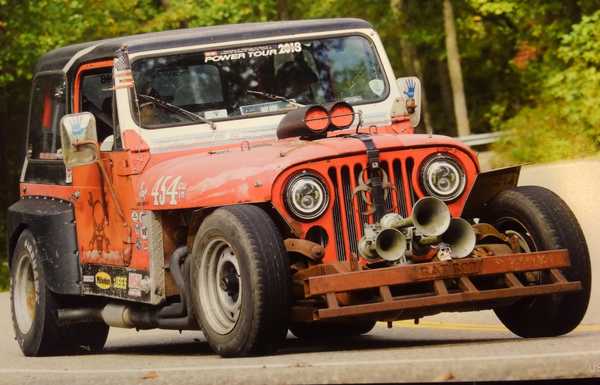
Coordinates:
(256, 80)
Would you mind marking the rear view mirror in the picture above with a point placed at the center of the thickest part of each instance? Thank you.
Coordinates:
(79, 139)
(409, 101)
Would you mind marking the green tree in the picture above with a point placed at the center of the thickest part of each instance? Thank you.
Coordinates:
(563, 120)
(455, 71)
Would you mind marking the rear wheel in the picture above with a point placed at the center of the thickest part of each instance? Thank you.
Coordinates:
(542, 221)
(241, 282)
(328, 330)
(34, 309)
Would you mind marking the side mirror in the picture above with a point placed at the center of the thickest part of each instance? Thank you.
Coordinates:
(79, 139)
(409, 101)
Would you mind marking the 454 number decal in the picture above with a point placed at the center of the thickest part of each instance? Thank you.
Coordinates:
(168, 190)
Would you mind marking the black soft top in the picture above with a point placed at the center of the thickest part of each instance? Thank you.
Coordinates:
(68, 57)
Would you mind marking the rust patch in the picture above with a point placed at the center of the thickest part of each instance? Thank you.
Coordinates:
(309, 249)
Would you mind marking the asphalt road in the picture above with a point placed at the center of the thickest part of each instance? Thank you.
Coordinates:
(465, 346)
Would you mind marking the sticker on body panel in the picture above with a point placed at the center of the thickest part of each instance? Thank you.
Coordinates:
(140, 229)
(168, 190)
(117, 282)
(103, 280)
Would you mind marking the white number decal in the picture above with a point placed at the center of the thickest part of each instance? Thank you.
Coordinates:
(172, 191)
(289, 48)
(168, 190)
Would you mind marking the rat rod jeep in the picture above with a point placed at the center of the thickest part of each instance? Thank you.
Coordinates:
(244, 180)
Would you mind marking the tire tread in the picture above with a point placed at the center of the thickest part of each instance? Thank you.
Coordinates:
(556, 227)
(270, 267)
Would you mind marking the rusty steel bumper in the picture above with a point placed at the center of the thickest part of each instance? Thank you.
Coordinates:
(342, 290)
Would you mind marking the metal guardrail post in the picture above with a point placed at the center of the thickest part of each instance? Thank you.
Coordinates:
(480, 139)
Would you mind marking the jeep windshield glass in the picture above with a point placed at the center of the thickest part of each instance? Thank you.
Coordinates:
(258, 80)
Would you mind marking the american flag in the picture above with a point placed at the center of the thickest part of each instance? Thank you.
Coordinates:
(122, 70)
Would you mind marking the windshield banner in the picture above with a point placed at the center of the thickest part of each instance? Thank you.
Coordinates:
(251, 52)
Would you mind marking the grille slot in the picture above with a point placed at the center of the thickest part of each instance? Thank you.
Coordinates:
(361, 202)
(399, 186)
(388, 199)
(347, 209)
(348, 187)
(337, 217)
(410, 164)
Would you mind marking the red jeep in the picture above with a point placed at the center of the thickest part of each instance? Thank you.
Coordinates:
(249, 179)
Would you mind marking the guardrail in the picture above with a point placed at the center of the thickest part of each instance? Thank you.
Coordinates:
(480, 139)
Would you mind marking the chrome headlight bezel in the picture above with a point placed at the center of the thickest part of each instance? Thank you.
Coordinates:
(452, 165)
(292, 187)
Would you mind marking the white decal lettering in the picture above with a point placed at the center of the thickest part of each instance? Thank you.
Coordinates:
(168, 190)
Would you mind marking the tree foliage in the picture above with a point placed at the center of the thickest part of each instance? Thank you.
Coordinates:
(562, 119)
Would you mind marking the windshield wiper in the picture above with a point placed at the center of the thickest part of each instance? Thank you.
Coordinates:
(176, 108)
(275, 97)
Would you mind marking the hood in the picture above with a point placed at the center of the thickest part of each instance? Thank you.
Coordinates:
(246, 173)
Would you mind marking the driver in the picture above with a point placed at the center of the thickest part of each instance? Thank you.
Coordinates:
(294, 80)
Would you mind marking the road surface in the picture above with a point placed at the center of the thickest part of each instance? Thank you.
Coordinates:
(465, 347)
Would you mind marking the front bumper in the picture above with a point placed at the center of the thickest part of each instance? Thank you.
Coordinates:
(343, 290)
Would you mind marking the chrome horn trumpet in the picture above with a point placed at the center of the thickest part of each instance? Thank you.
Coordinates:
(460, 236)
(430, 217)
(385, 243)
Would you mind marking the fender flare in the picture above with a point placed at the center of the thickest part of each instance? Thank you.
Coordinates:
(487, 185)
(52, 223)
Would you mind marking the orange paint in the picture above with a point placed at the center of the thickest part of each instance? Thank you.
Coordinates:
(46, 190)
(325, 167)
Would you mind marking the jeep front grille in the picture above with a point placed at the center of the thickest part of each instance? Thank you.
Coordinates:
(349, 211)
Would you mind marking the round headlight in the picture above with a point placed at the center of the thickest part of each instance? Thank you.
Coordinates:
(306, 196)
(443, 177)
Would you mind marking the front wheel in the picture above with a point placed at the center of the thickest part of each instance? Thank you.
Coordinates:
(240, 278)
(542, 221)
(34, 309)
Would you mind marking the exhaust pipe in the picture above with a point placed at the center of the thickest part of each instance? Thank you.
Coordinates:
(387, 243)
(176, 316)
(459, 236)
(113, 314)
(430, 217)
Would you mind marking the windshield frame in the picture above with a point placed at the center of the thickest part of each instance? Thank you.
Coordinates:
(251, 43)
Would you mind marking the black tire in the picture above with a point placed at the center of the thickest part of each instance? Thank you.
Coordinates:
(545, 223)
(260, 326)
(331, 330)
(44, 336)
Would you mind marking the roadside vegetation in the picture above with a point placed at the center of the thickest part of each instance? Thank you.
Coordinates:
(561, 120)
(528, 68)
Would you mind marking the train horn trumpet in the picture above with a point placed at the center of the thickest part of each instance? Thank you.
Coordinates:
(387, 243)
(430, 217)
(460, 236)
